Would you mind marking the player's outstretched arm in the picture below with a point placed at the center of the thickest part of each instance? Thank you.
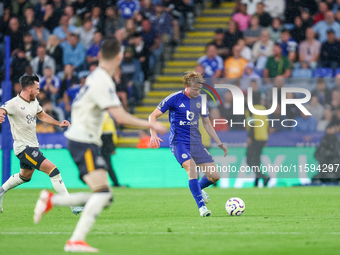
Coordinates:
(44, 117)
(2, 115)
(125, 118)
(155, 140)
(211, 131)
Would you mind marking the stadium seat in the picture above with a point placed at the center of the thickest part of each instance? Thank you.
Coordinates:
(323, 72)
(302, 73)
(337, 71)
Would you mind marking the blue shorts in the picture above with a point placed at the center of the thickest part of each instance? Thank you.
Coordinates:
(197, 152)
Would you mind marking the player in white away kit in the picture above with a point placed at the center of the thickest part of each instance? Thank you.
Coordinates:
(22, 112)
(88, 109)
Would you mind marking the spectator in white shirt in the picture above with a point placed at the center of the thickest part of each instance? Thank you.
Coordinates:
(251, 6)
(275, 8)
(245, 50)
(262, 50)
(86, 33)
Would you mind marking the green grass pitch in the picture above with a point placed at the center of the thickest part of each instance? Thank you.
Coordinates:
(166, 221)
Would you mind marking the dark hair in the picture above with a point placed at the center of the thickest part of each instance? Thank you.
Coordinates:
(87, 20)
(74, 35)
(330, 125)
(46, 101)
(320, 80)
(277, 19)
(96, 63)
(110, 49)
(285, 31)
(208, 45)
(28, 80)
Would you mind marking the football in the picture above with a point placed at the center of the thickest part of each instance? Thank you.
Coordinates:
(235, 206)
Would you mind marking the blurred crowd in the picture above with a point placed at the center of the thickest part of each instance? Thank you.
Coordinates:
(269, 44)
(59, 40)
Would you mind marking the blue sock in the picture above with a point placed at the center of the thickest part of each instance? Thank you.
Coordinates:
(204, 182)
(196, 192)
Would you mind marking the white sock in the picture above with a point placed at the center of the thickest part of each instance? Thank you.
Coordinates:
(12, 182)
(73, 199)
(59, 185)
(92, 209)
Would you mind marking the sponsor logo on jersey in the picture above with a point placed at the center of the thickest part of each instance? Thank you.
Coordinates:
(184, 155)
(30, 119)
(182, 105)
(190, 115)
(22, 108)
(189, 123)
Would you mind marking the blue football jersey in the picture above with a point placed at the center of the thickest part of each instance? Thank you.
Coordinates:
(210, 65)
(128, 8)
(183, 117)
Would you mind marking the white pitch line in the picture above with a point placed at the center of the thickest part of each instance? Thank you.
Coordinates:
(173, 233)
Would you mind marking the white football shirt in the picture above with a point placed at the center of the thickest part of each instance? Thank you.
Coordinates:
(22, 116)
(88, 108)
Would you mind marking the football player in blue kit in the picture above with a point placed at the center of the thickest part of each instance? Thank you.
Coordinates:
(185, 138)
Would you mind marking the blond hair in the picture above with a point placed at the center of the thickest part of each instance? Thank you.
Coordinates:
(192, 77)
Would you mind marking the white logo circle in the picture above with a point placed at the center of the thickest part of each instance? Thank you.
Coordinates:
(198, 105)
(184, 155)
(190, 115)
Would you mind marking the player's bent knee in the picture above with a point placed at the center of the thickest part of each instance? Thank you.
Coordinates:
(214, 178)
(24, 179)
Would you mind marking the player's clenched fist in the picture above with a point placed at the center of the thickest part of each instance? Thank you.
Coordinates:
(2, 118)
(64, 123)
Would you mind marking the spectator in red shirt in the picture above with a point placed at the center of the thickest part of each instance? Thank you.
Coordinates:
(323, 8)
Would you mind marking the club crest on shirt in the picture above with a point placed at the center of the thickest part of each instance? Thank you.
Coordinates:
(198, 105)
(35, 154)
(100, 161)
(184, 155)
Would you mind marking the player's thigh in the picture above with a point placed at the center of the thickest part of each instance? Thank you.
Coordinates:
(27, 173)
(31, 158)
(87, 158)
(201, 155)
(190, 167)
(182, 153)
(47, 166)
(96, 180)
(210, 170)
